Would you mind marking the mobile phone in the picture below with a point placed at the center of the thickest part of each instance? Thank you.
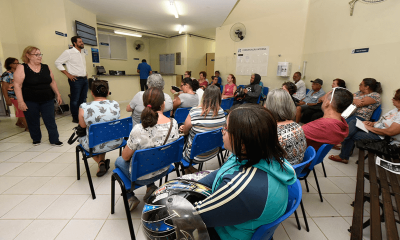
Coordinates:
(175, 88)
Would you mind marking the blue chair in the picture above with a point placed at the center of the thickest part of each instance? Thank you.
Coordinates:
(222, 88)
(202, 143)
(377, 114)
(265, 93)
(307, 90)
(266, 232)
(226, 104)
(100, 133)
(309, 156)
(167, 114)
(143, 162)
(181, 114)
(319, 158)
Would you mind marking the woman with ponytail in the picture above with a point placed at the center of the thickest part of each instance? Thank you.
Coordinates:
(154, 131)
(99, 110)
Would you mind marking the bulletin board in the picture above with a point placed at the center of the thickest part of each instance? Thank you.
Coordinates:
(252, 60)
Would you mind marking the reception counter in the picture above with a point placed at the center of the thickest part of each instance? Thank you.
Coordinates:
(124, 87)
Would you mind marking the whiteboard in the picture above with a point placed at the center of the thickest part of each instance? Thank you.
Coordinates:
(252, 60)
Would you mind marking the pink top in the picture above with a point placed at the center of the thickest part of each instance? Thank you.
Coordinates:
(204, 83)
(228, 90)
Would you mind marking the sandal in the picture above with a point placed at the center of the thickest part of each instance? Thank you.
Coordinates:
(103, 167)
(337, 147)
(338, 159)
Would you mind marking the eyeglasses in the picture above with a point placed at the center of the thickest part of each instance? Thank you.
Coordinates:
(15, 63)
(38, 55)
(333, 92)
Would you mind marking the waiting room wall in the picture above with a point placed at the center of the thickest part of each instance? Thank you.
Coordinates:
(277, 24)
(332, 34)
(197, 50)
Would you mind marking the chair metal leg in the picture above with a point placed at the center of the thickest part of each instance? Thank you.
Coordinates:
(120, 151)
(305, 180)
(323, 168)
(219, 159)
(126, 205)
(177, 169)
(161, 181)
(319, 190)
(112, 194)
(304, 215)
(297, 220)
(89, 177)
(78, 170)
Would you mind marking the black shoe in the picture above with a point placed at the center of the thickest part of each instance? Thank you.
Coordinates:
(74, 120)
(36, 143)
(57, 144)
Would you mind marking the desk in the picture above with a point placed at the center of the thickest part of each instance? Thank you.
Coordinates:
(124, 87)
(384, 194)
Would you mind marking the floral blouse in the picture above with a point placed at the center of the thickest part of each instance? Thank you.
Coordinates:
(367, 111)
(292, 138)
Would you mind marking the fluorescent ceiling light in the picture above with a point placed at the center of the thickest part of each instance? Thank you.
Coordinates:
(174, 9)
(181, 28)
(129, 34)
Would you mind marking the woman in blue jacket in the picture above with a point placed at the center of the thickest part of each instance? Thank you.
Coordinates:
(250, 189)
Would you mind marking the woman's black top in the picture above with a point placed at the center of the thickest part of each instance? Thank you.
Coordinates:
(36, 86)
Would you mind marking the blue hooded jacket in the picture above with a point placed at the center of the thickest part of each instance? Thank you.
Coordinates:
(245, 198)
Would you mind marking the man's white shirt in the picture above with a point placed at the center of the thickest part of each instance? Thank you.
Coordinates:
(75, 61)
(301, 90)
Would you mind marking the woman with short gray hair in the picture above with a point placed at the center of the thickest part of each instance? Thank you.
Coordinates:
(290, 134)
(136, 104)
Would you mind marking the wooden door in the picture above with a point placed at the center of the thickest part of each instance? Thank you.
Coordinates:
(210, 60)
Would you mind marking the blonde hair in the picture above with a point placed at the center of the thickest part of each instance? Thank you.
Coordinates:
(28, 50)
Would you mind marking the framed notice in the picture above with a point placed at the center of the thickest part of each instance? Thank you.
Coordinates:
(178, 58)
(252, 60)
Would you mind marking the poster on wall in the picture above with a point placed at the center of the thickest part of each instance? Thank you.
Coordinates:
(252, 60)
(95, 55)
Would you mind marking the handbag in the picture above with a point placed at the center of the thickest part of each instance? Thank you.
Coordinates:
(169, 131)
(380, 147)
(239, 94)
(79, 132)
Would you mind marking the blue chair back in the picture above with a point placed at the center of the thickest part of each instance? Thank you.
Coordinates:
(148, 160)
(206, 141)
(181, 114)
(265, 91)
(321, 153)
(377, 114)
(167, 114)
(226, 103)
(107, 131)
(307, 90)
(222, 88)
(309, 156)
(241, 85)
(265, 232)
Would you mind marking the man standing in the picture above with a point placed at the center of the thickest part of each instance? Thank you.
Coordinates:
(301, 86)
(74, 59)
(144, 70)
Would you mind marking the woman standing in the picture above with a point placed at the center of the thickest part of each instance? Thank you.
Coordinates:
(8, 90)
(35, 89)
(230, 88)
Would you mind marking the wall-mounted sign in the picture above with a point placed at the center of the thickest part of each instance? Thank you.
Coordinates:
(178, 58)
(104, 44)
(61, 34)
(360, 50)
(95, 55)
(136, 59)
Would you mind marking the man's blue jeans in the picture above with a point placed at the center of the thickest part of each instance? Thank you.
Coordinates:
(354, 134)
(79, 89)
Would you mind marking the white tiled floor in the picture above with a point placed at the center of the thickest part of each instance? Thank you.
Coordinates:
(40, 197)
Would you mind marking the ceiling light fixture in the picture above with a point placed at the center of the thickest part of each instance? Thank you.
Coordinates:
(181, 28)
(129, 34)
(174, 9)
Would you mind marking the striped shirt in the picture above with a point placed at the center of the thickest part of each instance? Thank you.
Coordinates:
(202, 124)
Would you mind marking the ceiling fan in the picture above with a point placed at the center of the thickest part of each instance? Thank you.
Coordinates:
(353, 2)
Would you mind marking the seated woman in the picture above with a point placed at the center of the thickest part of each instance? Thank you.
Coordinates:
(388, 125)
(206, 117)
(230, 87)
(290, 134)
(136, 105)
(155, 130)
(203, 83)
(214, 81)
(291, 88)
(188, 97)
(98, 111)
(314, 112)
(250, 189)
(252, 91)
